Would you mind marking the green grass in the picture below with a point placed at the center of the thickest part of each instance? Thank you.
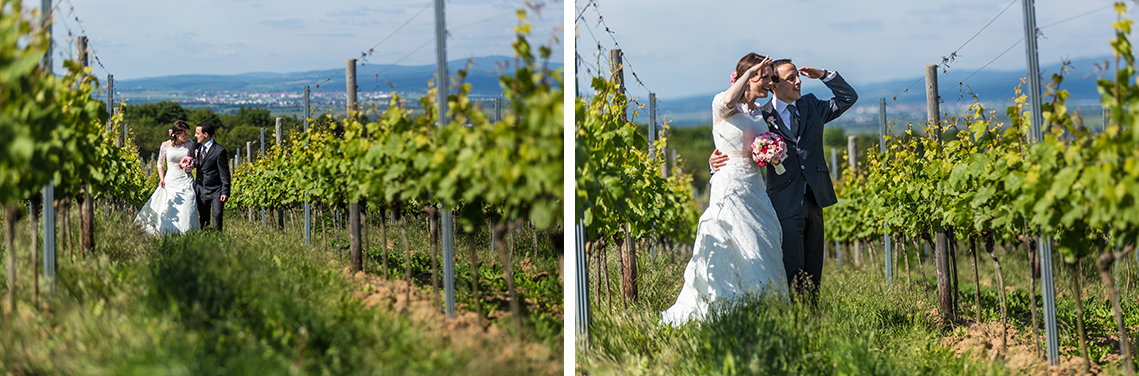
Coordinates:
(861, 327)
(250, 300)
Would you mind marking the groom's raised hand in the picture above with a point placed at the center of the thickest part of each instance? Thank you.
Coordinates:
(812, 72)
(717, 160)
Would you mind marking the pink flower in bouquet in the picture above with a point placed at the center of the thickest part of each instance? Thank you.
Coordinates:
(769, 149)
(187, 163)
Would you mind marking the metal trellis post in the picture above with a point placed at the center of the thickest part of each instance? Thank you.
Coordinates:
(1045, 243)
(308, 206)
(441, 100)
(49, 188)
(581, 286)
(882, 146)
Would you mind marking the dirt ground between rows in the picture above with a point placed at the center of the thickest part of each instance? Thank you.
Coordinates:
(465, 331)
(982, 341)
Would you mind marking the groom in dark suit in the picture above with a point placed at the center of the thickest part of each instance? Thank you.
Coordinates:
(212, 182)
(801, 193)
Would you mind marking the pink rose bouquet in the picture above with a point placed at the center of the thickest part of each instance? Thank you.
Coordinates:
(186, 164)
(769, 148)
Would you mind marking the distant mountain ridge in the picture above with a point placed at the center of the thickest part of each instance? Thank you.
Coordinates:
(482, 75)
(988, 85)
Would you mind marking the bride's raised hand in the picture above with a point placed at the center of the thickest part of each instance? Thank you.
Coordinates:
(755, 69)
(736, 91)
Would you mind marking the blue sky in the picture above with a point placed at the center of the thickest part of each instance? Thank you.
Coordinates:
(684, 48)
(135, 39)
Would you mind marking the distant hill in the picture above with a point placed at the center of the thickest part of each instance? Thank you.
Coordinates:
(482, 75)
(991, 87)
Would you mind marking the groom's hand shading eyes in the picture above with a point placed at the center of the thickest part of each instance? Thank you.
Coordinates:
(812, 72)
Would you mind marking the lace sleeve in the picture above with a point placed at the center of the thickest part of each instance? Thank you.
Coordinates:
(161, 163)
(720, 110)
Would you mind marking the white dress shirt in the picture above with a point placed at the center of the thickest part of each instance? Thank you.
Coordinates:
(206, 148)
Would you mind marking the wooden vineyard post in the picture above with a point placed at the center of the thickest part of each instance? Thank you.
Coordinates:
(945, 293)
(628, 253)
(652, 131)
(280, 149)
(834, 176)
(356, 251)
(87, 220)
(1104, 263)
(249, 159)
(86, 212)
(261, 144)
(10, 212)
(32, 220)
(87, 209)
(111, 101)
(354, 235)
(629, 267)
(433, 239)
(500, 230)
(617, 73)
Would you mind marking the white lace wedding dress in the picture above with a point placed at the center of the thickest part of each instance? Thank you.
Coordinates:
(738, 248)
(173, 209)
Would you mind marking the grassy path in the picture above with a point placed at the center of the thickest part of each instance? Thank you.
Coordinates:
(861, 327)
(247, 301)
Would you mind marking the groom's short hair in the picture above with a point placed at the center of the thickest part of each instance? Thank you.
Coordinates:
(207, 128)
(775, 66)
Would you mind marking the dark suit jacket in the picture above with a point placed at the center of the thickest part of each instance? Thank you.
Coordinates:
(213, 172)
(805, 164)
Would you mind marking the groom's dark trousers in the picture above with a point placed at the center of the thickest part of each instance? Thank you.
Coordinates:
(800, 193)
(803, 247)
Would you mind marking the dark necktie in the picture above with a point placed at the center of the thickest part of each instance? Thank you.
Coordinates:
(794, 126)
(200, 153)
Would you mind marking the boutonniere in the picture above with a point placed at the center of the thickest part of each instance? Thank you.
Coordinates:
(771, 122)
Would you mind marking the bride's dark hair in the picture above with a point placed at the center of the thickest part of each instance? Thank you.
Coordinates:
(746, 62)
(177, 128)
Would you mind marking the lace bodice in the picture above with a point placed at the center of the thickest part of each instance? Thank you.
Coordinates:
(734, 129)
(173, 154)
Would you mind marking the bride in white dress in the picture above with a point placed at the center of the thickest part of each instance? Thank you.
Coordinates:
(738, 250)
(172, 208)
